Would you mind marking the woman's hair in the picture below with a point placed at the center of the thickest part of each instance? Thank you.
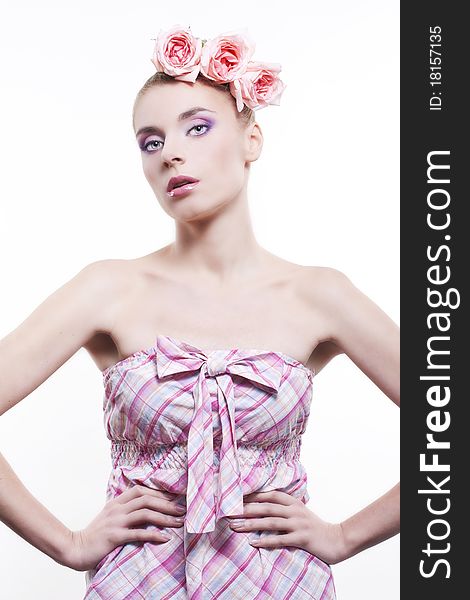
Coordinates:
(246, 117)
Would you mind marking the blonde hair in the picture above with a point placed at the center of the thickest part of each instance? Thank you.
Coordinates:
(246, 117)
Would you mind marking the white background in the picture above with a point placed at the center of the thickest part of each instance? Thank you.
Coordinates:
(325, 192)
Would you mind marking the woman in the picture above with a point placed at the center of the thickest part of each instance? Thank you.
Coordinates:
(208, 348)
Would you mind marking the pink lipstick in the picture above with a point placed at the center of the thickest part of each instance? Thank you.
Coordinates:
(182, 184)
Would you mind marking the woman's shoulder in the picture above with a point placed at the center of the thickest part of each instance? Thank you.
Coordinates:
(108, 271)
(115, 276)
(313, 274)
(319, 282)
(112, 269)
(107, 279)
(325, 273)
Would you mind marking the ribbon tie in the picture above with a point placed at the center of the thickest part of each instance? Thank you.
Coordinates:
(263, 369)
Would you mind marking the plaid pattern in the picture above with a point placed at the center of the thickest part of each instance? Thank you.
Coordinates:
(211, 427)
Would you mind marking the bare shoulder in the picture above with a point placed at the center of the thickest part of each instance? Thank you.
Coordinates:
(66, 320)
(323, 292)
(354, 319)
(106, 280)
(320, 279)
(338, 297)
(358, 327)
(324, 287)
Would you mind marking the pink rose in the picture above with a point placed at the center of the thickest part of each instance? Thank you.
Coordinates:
(225, 57)
(259, 86)
(178, 53)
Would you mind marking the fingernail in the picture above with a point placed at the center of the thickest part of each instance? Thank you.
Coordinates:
(237, 523)
(180, 519)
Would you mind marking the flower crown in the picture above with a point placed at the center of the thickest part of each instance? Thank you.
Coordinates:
(224, 59)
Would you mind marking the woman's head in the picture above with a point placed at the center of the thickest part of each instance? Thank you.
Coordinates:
(215, 146)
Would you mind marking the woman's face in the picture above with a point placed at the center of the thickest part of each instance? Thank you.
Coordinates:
(208, 145)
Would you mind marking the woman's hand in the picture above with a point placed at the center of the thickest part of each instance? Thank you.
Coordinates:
(278, 511)
(114, 525)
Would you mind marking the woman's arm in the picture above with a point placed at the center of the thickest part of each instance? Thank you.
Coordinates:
(26, 516)
(371, 339)
(29, 355)
(372, 525)
(362, 330)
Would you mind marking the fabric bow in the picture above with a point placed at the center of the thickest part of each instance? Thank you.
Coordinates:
(264, 370)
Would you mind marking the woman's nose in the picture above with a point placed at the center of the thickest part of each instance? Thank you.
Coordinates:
(172, 160)
(170, 153)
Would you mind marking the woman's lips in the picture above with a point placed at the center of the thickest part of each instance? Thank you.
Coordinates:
(183, 189)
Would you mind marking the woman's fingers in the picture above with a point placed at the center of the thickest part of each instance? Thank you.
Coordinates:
(271, 523)
(275, 496)
(129, 536)
(149, 501)
(255, 509)
(147, 515)
(137, 491)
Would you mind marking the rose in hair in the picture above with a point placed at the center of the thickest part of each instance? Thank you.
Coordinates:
(226, 57)
(178, 53)
(258, 86)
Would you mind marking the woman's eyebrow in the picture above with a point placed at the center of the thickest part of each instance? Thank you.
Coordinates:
(187, 114)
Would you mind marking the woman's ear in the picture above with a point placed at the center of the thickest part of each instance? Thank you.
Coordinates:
(254, 142)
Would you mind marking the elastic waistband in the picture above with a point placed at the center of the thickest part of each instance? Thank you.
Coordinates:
(174, 456)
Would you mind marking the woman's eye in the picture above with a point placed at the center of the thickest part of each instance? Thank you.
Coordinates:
(199, 125)
(146, 148)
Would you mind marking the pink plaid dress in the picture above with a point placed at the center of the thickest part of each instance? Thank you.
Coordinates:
(211, 427)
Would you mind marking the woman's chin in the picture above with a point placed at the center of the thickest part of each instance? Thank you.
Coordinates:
(192, 211)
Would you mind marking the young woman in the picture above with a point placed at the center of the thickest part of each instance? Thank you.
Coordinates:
(209, 347)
